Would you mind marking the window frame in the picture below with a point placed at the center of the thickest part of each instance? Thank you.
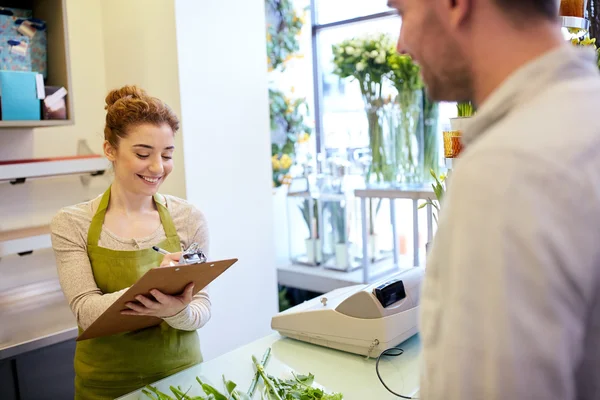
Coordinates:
(316, 29)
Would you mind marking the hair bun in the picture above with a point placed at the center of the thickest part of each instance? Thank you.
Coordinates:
(131, 91)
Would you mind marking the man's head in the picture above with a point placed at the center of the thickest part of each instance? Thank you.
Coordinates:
(446, 37)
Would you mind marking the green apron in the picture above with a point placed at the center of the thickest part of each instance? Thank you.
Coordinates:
(109, 367)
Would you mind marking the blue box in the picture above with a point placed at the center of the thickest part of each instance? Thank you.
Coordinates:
(19, 96)
(37, 41)
(15, 53)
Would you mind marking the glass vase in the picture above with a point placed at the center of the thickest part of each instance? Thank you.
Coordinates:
(431, 139)
(381, 171)
(407, 135)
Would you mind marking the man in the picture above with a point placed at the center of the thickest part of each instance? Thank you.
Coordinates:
(511, 298)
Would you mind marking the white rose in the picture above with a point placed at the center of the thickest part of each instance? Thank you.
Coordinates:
(350, 50)
(361, 66)
(380, 59)
(339, 51)
(374, 54)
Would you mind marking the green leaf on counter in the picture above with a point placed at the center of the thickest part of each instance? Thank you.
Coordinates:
(209, 390)
(298, 388)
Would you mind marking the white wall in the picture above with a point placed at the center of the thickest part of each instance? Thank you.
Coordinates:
(224, 99)
(140, 48)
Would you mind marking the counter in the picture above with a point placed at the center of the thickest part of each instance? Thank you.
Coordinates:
(352, 375)
(30, 323)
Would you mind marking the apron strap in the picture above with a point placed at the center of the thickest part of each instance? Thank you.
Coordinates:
(165, 218)
(98, 220)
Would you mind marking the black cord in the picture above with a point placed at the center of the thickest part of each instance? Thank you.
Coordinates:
(388, 352)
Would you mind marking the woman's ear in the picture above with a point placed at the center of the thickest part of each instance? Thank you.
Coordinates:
(109, 151)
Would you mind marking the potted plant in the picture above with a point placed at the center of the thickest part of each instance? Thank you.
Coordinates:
(342, 246)
(465, 112)
(439, 189)
(314, 249)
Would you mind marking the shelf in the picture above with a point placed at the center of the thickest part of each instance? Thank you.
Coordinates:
(54, 13)
(322, 280)
(16, 171)
(34, 124)
(575, 23)
(414, 192)
(24, 240)
(23, 233)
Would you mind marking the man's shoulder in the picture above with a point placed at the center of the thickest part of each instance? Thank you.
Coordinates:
(559, 128)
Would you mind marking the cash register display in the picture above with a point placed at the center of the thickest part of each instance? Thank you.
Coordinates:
(390, 293)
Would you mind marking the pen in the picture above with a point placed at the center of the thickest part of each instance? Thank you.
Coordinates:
(161, 251)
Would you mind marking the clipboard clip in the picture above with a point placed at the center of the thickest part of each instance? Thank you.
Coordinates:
(193, 255)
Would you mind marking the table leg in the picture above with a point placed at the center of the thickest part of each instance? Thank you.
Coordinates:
(365, 239)
(394, 231)
(429, 223)
(416, 232)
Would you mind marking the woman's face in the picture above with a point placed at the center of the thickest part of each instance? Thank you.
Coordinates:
(143, 159)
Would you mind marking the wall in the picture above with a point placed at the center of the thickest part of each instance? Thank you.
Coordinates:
(140, 48)
(224, 99)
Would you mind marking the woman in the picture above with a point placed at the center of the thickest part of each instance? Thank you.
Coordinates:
(105, 245)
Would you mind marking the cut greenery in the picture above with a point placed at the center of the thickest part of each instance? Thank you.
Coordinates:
(300, 387)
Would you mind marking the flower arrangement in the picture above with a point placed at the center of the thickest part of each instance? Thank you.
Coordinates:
(287, 115)
(281, 165)
(588, 42)
(408, 106)
(366, 60)
(288, 127)
(405, 73)
(282, 34)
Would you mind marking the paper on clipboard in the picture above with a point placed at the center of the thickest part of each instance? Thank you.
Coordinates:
(169, 280)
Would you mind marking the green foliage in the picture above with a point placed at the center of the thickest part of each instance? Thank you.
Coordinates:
(405, 73)
(465, 109)
(284, 303)
(305, 209)
(282, 35)
(338, 216)
(287, 115)
(439, 189)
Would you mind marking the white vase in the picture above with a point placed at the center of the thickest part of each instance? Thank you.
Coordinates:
(341, 256)
(373, 246)
(459, 123)
(313, 245)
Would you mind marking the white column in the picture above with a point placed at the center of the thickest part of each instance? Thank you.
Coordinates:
(224, 101)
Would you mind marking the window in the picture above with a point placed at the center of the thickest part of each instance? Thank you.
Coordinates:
(328, 11)
(340, 118)
(341, 125)
(344, 125)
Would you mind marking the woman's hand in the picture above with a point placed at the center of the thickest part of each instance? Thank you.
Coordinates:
(162, 306)
(171, 259)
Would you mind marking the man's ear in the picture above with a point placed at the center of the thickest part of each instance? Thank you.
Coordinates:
(109, 151)
(458, 11)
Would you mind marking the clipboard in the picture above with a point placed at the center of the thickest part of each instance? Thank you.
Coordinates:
(169, 280)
